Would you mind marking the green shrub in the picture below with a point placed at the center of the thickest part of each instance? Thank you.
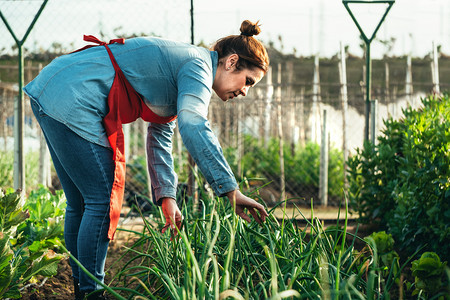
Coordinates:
(403, 182)
(28, 236)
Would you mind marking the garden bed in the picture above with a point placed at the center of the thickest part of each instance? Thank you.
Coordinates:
(60, 286)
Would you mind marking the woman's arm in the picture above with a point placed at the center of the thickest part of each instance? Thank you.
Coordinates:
(160, 161)
(194, 82)
(194, 94)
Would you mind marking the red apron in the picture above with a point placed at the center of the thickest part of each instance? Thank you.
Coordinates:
(125, 106)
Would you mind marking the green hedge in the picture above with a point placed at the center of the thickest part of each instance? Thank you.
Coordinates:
(402, 183)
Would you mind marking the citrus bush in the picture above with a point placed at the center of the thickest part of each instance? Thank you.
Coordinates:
(403, 182)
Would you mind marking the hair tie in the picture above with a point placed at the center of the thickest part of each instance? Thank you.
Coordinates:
(246, 34)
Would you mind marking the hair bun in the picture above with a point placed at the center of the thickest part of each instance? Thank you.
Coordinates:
(249, 28)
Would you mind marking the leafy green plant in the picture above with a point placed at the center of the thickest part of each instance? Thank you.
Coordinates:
(11, 213)
(388, 257)
(45, 225)
(26, 233)
(428, 272)
(402, 183)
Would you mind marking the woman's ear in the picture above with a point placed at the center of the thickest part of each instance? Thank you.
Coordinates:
(231, 61)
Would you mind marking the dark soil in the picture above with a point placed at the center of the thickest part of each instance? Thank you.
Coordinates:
(55, 288)
(60, 286)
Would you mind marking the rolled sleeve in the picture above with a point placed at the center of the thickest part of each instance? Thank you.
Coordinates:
(164, 180)
(205, 149)
(194, 93)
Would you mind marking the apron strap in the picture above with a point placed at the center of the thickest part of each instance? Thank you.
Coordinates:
(93, 39)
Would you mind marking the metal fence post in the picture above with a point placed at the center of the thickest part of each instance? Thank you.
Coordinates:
(192, 183)
(344, 101)
(435, 70)
(45, 176)
(408, 81)
(280, 136)
(367, 41)
(19, 162)
(323, 180)
(268, 108)
(373, 116)
(315, 110)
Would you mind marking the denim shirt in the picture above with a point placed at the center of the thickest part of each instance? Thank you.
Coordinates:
(174, 79)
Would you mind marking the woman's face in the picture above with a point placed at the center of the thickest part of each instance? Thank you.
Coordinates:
(230, 82)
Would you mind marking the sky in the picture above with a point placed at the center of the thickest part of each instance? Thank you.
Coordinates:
(303, 27)
(319, 26)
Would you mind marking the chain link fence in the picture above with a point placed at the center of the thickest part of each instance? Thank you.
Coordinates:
(273, 138)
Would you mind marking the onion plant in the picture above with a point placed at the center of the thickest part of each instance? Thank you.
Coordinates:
(217, 255)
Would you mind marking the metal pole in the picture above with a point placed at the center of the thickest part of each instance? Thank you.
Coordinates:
(344, 102)
(315, 110)
(192, 22)
(19, 163)
(374, 120)
(268, 107)
(280, 136)
(367, 41)
(408, 81)
(45, 176)
(323, 180)
(435, 70)
(368, 89)
(192, 183)
(387, 87)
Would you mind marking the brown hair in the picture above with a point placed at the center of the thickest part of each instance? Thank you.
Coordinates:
(251, 52)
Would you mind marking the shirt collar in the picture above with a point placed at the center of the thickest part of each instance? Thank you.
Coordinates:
(214, 62)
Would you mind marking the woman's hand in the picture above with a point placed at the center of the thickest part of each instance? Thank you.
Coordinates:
(173, 215)
(242, 202)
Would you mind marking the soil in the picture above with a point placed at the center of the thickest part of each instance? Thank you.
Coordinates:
(60, 286)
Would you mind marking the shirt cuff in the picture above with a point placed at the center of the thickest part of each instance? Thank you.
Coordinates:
(163, 192)
(224, 186)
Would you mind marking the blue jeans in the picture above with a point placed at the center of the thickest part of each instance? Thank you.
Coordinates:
(86, 172)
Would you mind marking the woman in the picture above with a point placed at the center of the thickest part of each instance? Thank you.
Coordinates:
(82, 99)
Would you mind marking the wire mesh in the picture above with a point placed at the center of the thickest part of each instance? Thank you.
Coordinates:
(248, 128)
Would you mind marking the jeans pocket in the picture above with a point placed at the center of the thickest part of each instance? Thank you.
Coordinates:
(37, 109)
(42, 113)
